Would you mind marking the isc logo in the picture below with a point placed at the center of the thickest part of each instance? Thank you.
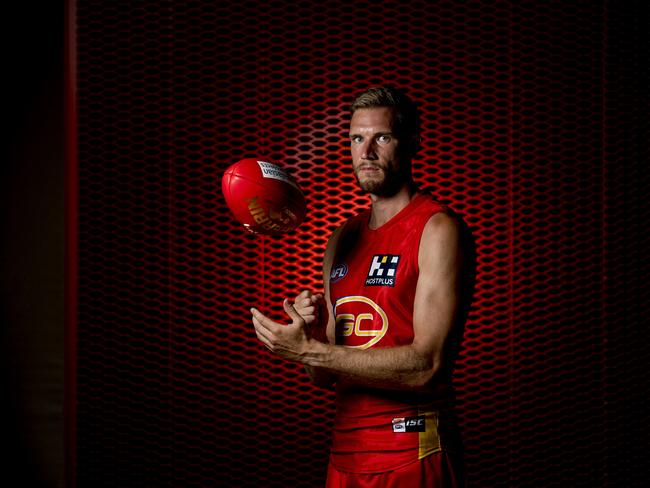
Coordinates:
(409, 424)
(414, 422)
(360, 322)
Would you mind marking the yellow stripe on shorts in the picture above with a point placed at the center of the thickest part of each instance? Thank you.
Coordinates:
(429, 439)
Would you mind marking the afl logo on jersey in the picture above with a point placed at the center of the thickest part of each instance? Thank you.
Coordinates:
(338, 272)
(360, 322)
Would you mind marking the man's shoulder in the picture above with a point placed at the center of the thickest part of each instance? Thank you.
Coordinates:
(447, 231)
(441, 226)
(442, 214)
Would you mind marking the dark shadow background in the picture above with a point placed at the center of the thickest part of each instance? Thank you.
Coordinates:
(32, 244)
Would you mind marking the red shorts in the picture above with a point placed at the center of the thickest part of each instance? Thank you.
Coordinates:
(438, 470)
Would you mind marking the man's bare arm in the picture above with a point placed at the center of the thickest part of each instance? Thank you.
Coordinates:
(404, 367)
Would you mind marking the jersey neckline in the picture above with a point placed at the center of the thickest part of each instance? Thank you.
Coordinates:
(415, 202)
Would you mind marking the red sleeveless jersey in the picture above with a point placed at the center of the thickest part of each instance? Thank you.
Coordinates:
(372, 289)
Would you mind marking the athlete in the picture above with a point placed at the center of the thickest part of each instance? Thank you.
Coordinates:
(397, 283)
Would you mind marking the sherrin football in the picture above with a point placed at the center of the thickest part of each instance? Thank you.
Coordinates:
(263, 197)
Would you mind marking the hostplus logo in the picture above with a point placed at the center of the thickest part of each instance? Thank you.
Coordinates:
(382, 270)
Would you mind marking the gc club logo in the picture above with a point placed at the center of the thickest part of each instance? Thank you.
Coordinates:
(360, 322)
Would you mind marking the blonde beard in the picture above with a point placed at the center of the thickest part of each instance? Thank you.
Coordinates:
(387, 186)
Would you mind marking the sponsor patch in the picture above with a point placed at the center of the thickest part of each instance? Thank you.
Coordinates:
(383, 269)
(270, 170)
(409, 424)
(338, 272)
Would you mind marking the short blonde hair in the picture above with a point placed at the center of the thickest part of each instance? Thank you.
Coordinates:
(407, 117)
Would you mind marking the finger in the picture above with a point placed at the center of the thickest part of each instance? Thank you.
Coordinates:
(264, 335)
(264, 321)
(305, 303)
(291, 311)
(260, 329)
(302, 295)
(262, 338)
(307, 310)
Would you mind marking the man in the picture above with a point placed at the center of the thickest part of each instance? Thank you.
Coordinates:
(396, 285)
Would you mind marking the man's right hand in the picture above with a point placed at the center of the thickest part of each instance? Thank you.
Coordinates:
(307, 305)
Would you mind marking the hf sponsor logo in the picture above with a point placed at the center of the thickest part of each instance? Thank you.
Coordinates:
(360, 322)
(382, 270)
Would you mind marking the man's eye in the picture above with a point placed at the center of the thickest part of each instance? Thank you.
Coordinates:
(355, 139)
(384, 138)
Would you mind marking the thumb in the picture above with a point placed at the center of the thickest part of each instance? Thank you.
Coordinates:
(291, 311)
(304, 294)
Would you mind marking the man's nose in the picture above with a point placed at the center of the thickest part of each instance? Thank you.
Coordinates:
(368, 150)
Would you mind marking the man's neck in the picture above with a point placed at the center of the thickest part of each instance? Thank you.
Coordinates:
(385, 208)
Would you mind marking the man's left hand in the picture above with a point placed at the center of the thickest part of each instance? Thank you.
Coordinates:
(288, 341)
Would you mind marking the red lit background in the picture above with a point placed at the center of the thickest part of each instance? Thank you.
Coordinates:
(529, 117)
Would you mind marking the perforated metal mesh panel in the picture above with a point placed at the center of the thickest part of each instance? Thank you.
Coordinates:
(525, 108)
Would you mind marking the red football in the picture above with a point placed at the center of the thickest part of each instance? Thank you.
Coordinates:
(263, 197)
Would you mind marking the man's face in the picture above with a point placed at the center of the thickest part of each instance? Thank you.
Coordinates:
(376, 151)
